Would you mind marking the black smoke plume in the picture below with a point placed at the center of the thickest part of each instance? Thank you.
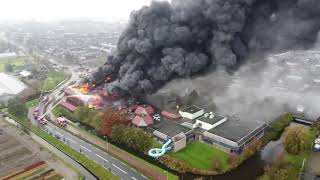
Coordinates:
(183, 38)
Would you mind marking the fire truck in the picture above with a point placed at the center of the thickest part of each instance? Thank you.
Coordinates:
(43, 121)
(36, 113)
(62, 121)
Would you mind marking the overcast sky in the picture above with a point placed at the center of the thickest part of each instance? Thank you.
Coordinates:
(61, 9)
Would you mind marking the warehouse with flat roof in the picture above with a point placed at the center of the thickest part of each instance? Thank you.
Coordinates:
(234, 135)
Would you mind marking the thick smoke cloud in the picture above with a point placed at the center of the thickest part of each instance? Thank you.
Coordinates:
(166, 41)
(187, 37)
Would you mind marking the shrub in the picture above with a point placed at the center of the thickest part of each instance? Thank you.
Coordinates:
(296, 140)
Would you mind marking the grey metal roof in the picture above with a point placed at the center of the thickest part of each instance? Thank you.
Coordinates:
(169, 128)
(192, 109)
(237, 131)
(215, 119)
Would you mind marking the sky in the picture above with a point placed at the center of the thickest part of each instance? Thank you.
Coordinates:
(48, 10)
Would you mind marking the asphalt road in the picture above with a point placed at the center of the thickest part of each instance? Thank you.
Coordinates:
(110, 163)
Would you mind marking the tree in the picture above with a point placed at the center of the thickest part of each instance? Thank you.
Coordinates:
(8, 68)
(88, 116)
(133, 138)
(17, 107)
(111, 119)
(297, 139)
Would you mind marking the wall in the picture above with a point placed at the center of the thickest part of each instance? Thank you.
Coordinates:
(191, 116)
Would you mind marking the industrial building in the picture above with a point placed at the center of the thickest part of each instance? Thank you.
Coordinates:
(10, 87)
(226, 133)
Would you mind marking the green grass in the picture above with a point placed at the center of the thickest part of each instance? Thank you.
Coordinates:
(32, 103)
(16, 62)
(200, 155)
(149, 165)
(53, 79)
(92, 166)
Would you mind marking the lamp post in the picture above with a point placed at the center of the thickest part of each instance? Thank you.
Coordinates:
(106, 138)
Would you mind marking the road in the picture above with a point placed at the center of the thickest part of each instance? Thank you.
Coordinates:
(110, 163)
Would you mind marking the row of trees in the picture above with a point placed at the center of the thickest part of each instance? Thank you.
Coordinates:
(88, 116)
(133, 138)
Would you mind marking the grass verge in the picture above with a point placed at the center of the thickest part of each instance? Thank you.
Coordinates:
(93, 167)
(149, 165)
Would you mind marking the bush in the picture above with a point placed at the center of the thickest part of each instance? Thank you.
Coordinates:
(134, 138)
(296, 140)
(282, 122)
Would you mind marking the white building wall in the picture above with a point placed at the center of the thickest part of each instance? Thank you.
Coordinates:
(208, 126)
(220, 139)
(191, 115)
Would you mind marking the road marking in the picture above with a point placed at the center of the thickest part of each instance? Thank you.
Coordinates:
(113, 173)
(102, 158)
(119, 168)
(123, 163)
(143, 176)
(85, 148)
(114, 158)
(58, 133)
(72, 141)
(133, 178)
(133, 170)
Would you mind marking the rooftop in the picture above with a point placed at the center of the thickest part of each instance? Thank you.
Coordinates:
(237, 130)
(211, 120)
(10, 85)
(170, 128)
(192, 109)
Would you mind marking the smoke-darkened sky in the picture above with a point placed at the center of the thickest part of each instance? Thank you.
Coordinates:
(44, 10)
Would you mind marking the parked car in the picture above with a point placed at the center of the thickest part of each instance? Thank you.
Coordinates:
(316, 146)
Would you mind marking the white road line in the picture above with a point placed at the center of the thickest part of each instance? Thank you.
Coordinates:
(85, 148)
(119, 168)
(133, 178)
(113, 173)
(72, 141)
(58, 133)
(123, 163)
(143, 176)
(114, 158)
(102, 158)
(133, 170)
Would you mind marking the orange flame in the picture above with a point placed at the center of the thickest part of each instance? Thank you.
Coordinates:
(84, 88)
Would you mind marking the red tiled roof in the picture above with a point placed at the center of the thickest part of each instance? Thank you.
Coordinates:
(68, 106)
(170, 115)
(144, 109)
(142, 120)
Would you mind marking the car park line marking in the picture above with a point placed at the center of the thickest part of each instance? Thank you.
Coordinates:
(119, 168)
(133, 178)
(85, 148)
(102, 158)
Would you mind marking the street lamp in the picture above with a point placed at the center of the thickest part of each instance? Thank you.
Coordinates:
(106, 138)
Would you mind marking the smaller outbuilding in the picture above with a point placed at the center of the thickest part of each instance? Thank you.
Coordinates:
(191, 112)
